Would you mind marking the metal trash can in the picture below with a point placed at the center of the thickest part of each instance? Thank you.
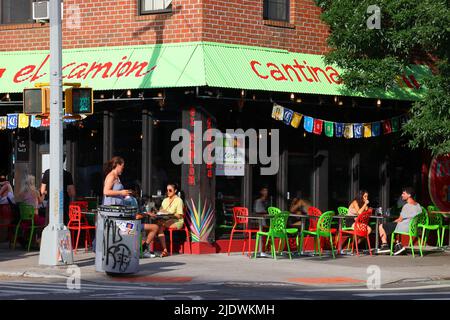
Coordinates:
(117, 239)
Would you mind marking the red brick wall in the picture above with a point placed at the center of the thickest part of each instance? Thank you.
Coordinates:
(116, 23)
(241, 22)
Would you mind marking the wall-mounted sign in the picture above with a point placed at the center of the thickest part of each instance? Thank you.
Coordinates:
(439, 182)
(232, 153)
(23, 150)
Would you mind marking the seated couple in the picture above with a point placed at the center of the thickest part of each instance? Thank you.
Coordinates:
(172, 204)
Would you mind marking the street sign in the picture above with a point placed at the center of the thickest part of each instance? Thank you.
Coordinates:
(79, 101)
(36, 101)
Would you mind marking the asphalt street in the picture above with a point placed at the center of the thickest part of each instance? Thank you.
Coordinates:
(45, 289)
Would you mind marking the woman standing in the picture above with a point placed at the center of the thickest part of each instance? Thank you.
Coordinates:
(113, 191)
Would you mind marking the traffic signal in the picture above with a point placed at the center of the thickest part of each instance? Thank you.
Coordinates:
(36, 101)
(79, 101)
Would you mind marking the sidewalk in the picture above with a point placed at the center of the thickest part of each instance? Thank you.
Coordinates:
(308, 271)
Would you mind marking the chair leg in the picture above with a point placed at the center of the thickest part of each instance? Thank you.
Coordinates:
(368, 244)
(31, 237)
(355, 240)
(392, 243)
(256, 245)
(15, 236)
(412, 245)
(438, 236)
(171, 240)
(249, 243)
(423, 237)
(231, 239)
(318, 245)
(288, 247)
(274, 253)
(331, 244)
(78, 238)
(243, 245)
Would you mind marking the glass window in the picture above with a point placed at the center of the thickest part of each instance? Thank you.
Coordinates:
(276, 10)
(154, 6)
(15, 11)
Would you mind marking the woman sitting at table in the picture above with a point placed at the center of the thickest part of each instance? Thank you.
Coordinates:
(359, 204)
(171, 205)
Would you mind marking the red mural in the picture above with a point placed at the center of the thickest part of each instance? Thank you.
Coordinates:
(439, 181)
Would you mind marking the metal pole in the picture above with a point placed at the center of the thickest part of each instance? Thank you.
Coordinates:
(56, 246)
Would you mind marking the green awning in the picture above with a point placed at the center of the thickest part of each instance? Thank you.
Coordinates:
(193, 64)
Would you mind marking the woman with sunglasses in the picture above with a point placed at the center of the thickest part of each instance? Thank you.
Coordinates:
(172, 205)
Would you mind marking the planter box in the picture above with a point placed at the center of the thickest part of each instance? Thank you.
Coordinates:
(203, 248)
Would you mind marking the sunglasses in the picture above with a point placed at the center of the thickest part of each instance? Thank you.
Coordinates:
(169, 190)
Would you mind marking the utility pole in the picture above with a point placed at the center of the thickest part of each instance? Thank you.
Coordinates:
(56, 246)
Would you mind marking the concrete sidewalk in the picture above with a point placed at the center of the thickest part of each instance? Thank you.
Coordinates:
(304, 270)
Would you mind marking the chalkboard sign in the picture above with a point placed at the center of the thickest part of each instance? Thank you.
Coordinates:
(23, 150)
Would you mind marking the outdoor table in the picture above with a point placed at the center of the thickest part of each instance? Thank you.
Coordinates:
(445, 214)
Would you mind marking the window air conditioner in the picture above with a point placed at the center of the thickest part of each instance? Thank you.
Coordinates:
(41, 10)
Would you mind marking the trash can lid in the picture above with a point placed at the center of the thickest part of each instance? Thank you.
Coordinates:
(118, 210)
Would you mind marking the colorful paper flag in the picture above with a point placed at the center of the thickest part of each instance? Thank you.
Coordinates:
(329, 126)
(297, 117)
(348, 131)
(367, 130)
(357, 130)
(376, 129)
(35, 123)
(339, 129)
(3, 121)
(12, 121)
(395, 123)
(287, 117)
(308, 124)
(277, 112)
(387, 128)
(318, 126)
(23, 121)
(45, 122)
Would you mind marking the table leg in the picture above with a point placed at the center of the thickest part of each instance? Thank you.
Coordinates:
(376, 235)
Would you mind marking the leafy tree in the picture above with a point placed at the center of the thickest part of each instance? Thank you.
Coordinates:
(411, 32)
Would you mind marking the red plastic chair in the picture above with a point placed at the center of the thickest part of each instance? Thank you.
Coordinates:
(84, 208)
(77, 223)
(360, 229)
(186, 230)
(238, 212)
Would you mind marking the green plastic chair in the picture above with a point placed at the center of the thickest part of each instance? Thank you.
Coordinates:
(277, 229)
(27, 213)
(343, 211)
(294, 231)
(438, 219)
(323, 230)
(433, 223)
(413, 232)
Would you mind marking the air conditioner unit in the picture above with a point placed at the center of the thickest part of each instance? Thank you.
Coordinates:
(41, 11)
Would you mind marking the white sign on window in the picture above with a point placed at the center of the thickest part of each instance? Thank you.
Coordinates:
(232, 153)
(153, 5)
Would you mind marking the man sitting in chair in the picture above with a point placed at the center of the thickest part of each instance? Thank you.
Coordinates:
(401, 224)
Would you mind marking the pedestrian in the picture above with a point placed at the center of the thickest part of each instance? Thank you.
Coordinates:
(113, 190)
(401, 224)
(69, 192)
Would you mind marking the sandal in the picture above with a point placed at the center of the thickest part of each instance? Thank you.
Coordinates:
(164, 254)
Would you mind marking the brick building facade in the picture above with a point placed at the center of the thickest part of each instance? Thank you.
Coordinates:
(106, 23)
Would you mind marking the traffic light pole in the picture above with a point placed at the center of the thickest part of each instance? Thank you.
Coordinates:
(56, 247)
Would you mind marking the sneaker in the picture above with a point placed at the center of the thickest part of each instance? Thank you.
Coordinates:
(148, 254)
(398, 249)
(384, 248)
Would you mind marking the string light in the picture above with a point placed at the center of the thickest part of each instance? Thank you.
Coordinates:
(378, 103)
